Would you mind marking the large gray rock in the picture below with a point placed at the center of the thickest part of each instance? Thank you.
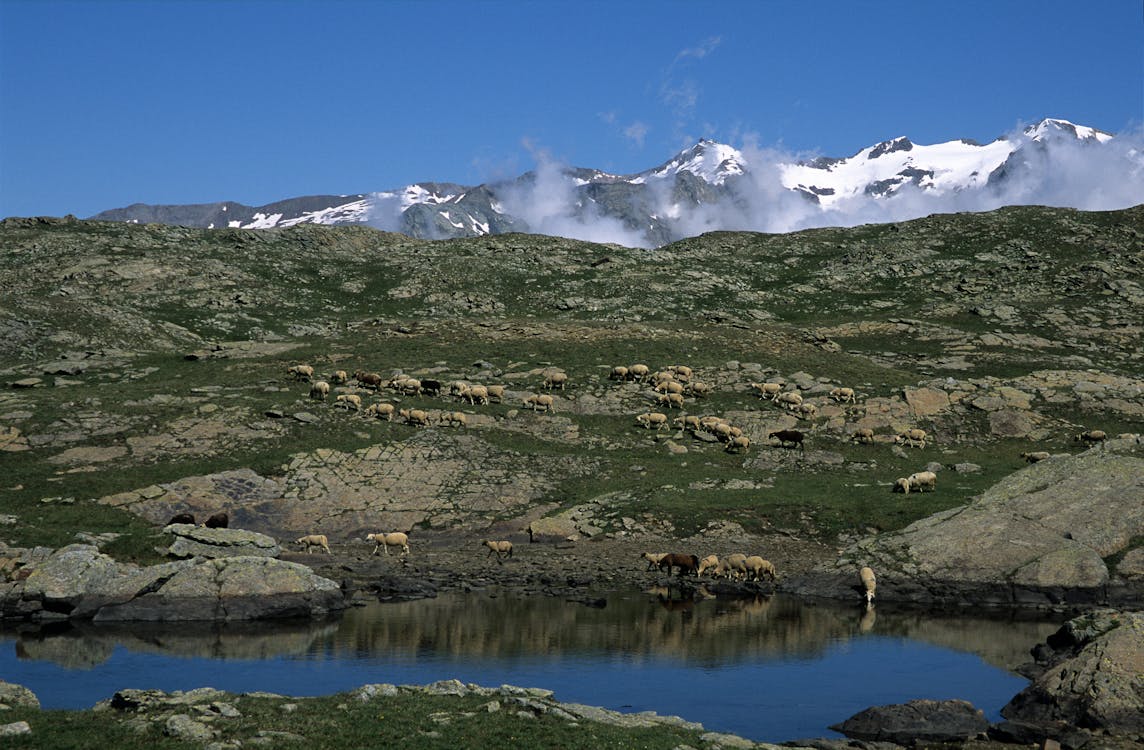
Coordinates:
(916, 721)
(1094, 679)
(79, 582)
(13, 695)
(1039, 536)
(198, 541)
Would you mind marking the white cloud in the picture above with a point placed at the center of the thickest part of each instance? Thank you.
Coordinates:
(636, 132)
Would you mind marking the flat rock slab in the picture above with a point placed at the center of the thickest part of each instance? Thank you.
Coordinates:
(198, 541)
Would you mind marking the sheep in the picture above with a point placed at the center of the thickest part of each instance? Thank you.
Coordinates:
(457, 388)
(339, 377)
(843, 395)
(652, 418)
(922, 480)
(863, 436)
(638, 373)
(869, 583)
(688, 422)
(619, 372)
(541, 402)
(757, 567)
(182, 518)
(734, 565)
(723, 431)
(496, 392)
(431, 387)
(794, 437)
(683, 372)
(1035, 456)
(455, 418)
(912, 437)
(501, 548)
(476, 394)
(767, 390)
(320, 390)
(415, 417)
(738, 443)
(348, 401)
(368, 379)
(411, 387)
(218, 520)
(711, 562)
(789, 399)
(300, 372)
(382, 410)
(668, 386)
(653, 559)
(699, 389)
(556, 380)
(708, 423)
(686, 563)
(1091, 436)
(807, 411)
(901, 484)
(392, 539)
(670, 400)
(310, 541)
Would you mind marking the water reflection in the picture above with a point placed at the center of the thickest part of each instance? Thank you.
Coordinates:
(772, 668)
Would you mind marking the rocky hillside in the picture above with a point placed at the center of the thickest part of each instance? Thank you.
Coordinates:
(146, 371)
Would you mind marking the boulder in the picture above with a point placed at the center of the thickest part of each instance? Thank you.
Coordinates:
(13, 695)
(554, 529)
(199, 541)
(926, 402)
(916, 721)
(1093, 678)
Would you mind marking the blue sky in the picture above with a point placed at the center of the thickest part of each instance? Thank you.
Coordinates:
(103, 104)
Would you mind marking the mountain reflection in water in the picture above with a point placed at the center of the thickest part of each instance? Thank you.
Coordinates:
(770, 669)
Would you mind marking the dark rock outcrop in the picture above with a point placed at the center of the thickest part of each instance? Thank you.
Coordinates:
(916, 721)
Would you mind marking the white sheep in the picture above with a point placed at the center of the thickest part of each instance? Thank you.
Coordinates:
(922, 480)
(723, 430)
(495, 392)
(843, 395)
(670, 400)
(757, 567)
(789, 399)
(300, 372)
(652, 419)
(476, 394)
(416, 417)
(382, 410)
(455, 418)
(863, 436)
(310, 541)
(1035, 456)
(501, 548)
(869, 582)
(807, 411)
(767, 390)
(619, 372)
(687, 422)
(348, 401)
(912, 437)
(683, 372)
(699, 389)
(737, 444)
(541, 402)
(711, 562)
(653, 559)
(901, 484)
(392, 539)
(556, 380)
(1091, 436)
(668, 386)
(340, 377)
(639, 373)
(735, 565)
(320, 390)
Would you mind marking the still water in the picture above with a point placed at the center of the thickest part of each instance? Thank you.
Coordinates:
(770, 669)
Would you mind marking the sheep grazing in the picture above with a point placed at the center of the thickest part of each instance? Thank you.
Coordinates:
(914, 438)
(790, 400)
(619, 372)
(699, 389)
(339, 377)
(1091, 437)
(683, 372)
(348, 401)
(652, 419)
(638, 373)
(300, 372)
(711, 562)
(502, 549)
(767, 390)
(415, 417)
(319, 390)
(668, 386)
(869, 583)
(670, 400)
(217, 521)
(556, 380)
(863, 436)
(410, 387)
(902, 485)
(793, 437)
(653, 559)
(757, 567)
(311, 541)
(690, 422)
(922, 480)
(182, 518)
(735, 565)
(457, 389)
(1035, 456)
(723, 430)
(807, 411)
(476, 394)
(844, 395)
(368, 379)
(392, 539)
(431, 387)
(496, 393)
(541, 402)
(455, 418)
(381, 410)
(738, 444)
(685, 563)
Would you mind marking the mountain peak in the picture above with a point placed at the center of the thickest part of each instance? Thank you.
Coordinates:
(901, 143)
(1051, 127)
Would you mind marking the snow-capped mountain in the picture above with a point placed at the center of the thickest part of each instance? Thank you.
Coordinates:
(713, 186)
